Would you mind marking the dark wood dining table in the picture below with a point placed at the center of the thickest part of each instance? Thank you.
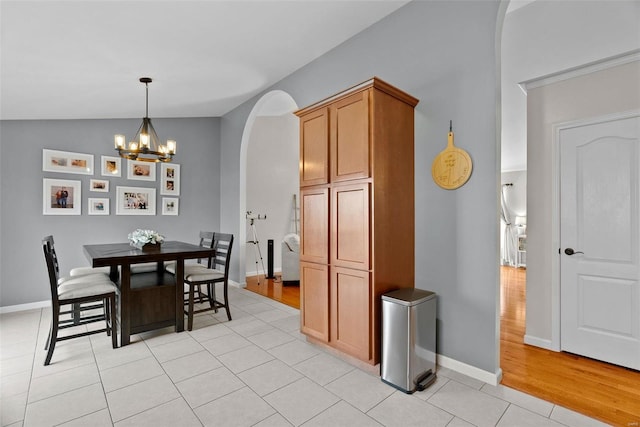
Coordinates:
(149, 300)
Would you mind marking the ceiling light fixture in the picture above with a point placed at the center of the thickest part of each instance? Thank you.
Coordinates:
(145, 146)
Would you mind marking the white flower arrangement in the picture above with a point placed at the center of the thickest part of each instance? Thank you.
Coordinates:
(141, 237)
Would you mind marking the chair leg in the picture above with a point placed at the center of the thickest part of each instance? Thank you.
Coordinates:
(106, 306)
(112, 321)
(201, 295)
(53, 337)
(76, 314)
(226, 300)
(211, 289)
(46, 345)
(190, 314)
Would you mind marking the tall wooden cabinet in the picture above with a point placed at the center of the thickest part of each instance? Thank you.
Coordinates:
(357, 213)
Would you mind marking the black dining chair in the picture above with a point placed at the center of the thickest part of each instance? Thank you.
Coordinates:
(215, 271)
(78, 292)
(77, 271)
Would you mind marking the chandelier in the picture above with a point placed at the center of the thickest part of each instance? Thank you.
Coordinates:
(146, 145)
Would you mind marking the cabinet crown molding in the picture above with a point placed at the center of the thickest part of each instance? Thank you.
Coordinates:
(374, 82)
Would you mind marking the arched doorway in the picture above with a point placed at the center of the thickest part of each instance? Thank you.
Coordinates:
(276, 144)
(527, 57)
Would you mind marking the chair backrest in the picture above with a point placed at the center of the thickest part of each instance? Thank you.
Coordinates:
(223, 244)
(207, 240)
(53, 268)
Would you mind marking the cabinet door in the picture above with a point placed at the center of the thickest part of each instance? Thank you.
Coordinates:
(350, 311)
(314, 300)
(314, 148)
(350, 232)
(350, 142)
(314, 238)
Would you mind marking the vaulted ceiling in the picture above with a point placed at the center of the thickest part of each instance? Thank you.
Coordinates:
(83, 59)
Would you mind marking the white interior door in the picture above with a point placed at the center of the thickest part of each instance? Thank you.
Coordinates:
(599, 204)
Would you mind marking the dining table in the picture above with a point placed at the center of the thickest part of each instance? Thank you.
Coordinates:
(152, 299)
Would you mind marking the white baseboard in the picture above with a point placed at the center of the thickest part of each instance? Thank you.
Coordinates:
(260, 272)
(539, 342)
(470, 371)
(236, 284)
(23, 307)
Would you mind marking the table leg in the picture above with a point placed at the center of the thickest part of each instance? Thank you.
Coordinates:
(125, 305)
(180, 295)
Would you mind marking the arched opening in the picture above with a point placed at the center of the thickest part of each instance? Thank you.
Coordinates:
(269, 143)
(541, 40)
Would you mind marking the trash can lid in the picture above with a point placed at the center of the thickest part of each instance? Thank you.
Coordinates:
(408, 296)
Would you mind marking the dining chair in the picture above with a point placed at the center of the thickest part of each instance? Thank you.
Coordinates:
(77, 292)
(216, 271)
(77, 271)
(83, 271)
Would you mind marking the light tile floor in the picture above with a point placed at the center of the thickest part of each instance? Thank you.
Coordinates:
(256, 370)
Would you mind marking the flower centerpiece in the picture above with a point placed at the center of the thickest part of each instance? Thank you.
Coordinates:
(145, 239)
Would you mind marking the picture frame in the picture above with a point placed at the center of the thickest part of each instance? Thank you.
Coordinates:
(135, 201)
(98, 206)
(170, 206)
(170, 179)
(111, 166)
(99, 185)
(142, 171)
(61, 197)
(67, 162)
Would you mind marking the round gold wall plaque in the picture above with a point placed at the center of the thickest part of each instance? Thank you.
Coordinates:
(451, 168)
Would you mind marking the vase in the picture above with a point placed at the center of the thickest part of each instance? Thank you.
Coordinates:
(151, 247)
(148, 247)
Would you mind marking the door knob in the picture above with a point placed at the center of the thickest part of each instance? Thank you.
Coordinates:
(570, 251)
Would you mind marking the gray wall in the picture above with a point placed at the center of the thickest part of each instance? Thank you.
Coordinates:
(444, 53)
(550, 36)
(23, 277)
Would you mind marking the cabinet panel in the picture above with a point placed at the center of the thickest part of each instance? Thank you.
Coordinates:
(350, 232)
(314, 300)
(314, 242)
(349, 124)
(350, 311)
(314, 148)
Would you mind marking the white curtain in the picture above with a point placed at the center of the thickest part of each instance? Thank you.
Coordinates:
(509, 244)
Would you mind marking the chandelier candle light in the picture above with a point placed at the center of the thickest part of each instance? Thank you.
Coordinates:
(146, 145)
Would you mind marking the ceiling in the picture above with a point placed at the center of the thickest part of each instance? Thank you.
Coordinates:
(83, 59)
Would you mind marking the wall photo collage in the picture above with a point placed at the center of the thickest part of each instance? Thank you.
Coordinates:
(64, 196)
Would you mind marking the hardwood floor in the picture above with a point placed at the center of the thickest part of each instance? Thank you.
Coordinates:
(600, 390)
(273, 288)
(606, 392)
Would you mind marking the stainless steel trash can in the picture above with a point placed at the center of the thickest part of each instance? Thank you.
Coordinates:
(408, 339)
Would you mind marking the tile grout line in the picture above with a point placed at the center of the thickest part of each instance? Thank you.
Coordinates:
(33, 361)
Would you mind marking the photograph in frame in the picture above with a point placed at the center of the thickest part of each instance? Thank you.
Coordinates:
(98, 206)
(67, 162)
(170, 206)
(143, 171)
(111, 166)
(99, 185)
(135, 201)
(170, 179)
(61, 197)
